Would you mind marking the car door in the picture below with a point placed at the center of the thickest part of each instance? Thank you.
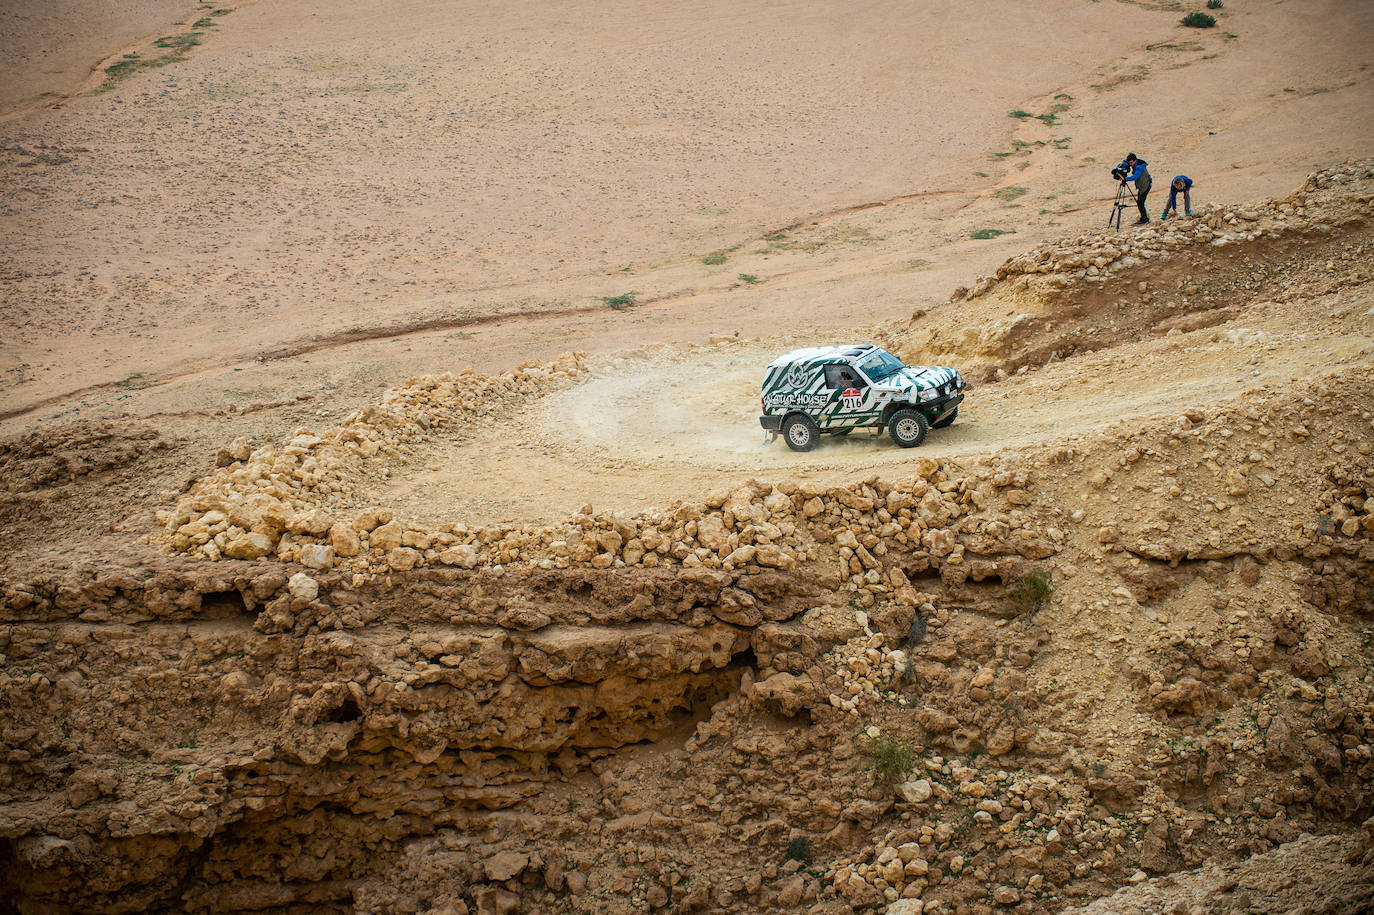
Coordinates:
(852, 401)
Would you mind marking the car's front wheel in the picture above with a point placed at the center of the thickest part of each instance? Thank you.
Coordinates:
(800, 432)
(945, 421)
(908, 428)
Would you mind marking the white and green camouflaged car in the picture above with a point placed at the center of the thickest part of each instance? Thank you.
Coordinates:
(833, 390)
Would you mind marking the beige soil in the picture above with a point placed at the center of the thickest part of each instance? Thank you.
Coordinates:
(290, 179)
(292, 619)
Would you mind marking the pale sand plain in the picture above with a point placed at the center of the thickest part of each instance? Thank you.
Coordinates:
(318, 201)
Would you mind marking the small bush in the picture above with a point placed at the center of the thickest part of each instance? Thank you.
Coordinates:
(1030, 593)
(1019, 113)
(1214, 4)
(799, 849)
(893, 758)
(202, 23)
(714, 259)
(1198, 21)
(989, 233)
(749, 278)
(624, 300)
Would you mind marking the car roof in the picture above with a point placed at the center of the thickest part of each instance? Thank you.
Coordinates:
(820, 355)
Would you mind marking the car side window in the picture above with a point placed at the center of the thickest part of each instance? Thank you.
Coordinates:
(840, 377)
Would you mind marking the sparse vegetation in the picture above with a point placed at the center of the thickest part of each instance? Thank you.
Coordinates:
(1030, 593)
(1214, 4)
(182, 43)
(799, 849)
(1009, 193)
(982, 234)
(1199, 21)
(176, 46)
(712, 260)
(893, 758)
(749, 278)
(617, 302)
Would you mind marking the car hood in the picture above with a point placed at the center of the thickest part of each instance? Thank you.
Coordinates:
(920, 377)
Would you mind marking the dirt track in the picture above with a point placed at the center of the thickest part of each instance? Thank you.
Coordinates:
(664, 424)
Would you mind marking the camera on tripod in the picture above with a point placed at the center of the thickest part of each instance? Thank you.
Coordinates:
(1119, 173)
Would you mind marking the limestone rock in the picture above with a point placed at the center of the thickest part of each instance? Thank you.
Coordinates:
(251, 545)
(402, 558)
(505, 864)
(317, 556)
(915, 792)
(302, 586)
(344, 540)
(386, 537)
(370, 519)
(906, 907)
(464, 556)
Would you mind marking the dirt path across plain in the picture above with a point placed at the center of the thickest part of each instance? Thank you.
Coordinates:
(669, 424)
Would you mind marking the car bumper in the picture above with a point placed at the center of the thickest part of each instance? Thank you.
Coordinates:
(941, 407)
(771, 423)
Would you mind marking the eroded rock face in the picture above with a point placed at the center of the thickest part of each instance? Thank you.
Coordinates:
(223, 711)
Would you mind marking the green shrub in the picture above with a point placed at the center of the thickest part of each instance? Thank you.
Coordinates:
(1030, 593)
(749, 278)
(1198, 21)
(714, 259)
(893, 758)
(989, 233)
(618, 302)
(799, 849)
(1214, 4)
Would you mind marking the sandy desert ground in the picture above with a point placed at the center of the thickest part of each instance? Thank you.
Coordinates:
(332, 581)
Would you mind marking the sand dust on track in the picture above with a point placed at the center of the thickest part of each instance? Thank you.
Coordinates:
(665, 424)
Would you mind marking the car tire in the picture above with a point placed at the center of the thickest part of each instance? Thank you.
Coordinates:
(907, 428)
(947, 421)
(800, 432)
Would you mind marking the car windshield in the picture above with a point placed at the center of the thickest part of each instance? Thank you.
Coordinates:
(880, 365)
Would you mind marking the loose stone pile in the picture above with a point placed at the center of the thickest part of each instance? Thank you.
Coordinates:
(1025, 818)
(273, 501)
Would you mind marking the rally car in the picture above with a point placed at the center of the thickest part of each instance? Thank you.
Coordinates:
(836, 389)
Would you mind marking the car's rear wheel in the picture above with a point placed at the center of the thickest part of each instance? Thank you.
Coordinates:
(800, 432)
(908, 428)
(946, 421)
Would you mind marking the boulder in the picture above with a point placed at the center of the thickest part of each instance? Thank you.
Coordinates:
(252, 545)
(915, 792)
(464, 556)
(302, 586)
(344, 540)
(387, 537)
(317, 556)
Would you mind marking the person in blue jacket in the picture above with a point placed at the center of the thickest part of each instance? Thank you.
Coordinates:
(1134, 169)
(1180, 183)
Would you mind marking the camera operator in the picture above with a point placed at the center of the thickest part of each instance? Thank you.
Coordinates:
(1133, 169)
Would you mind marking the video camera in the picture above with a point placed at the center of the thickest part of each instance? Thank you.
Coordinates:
(1119, 173)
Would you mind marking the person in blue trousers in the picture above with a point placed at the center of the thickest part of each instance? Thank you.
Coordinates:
(1180, 183)
(1134, 169)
